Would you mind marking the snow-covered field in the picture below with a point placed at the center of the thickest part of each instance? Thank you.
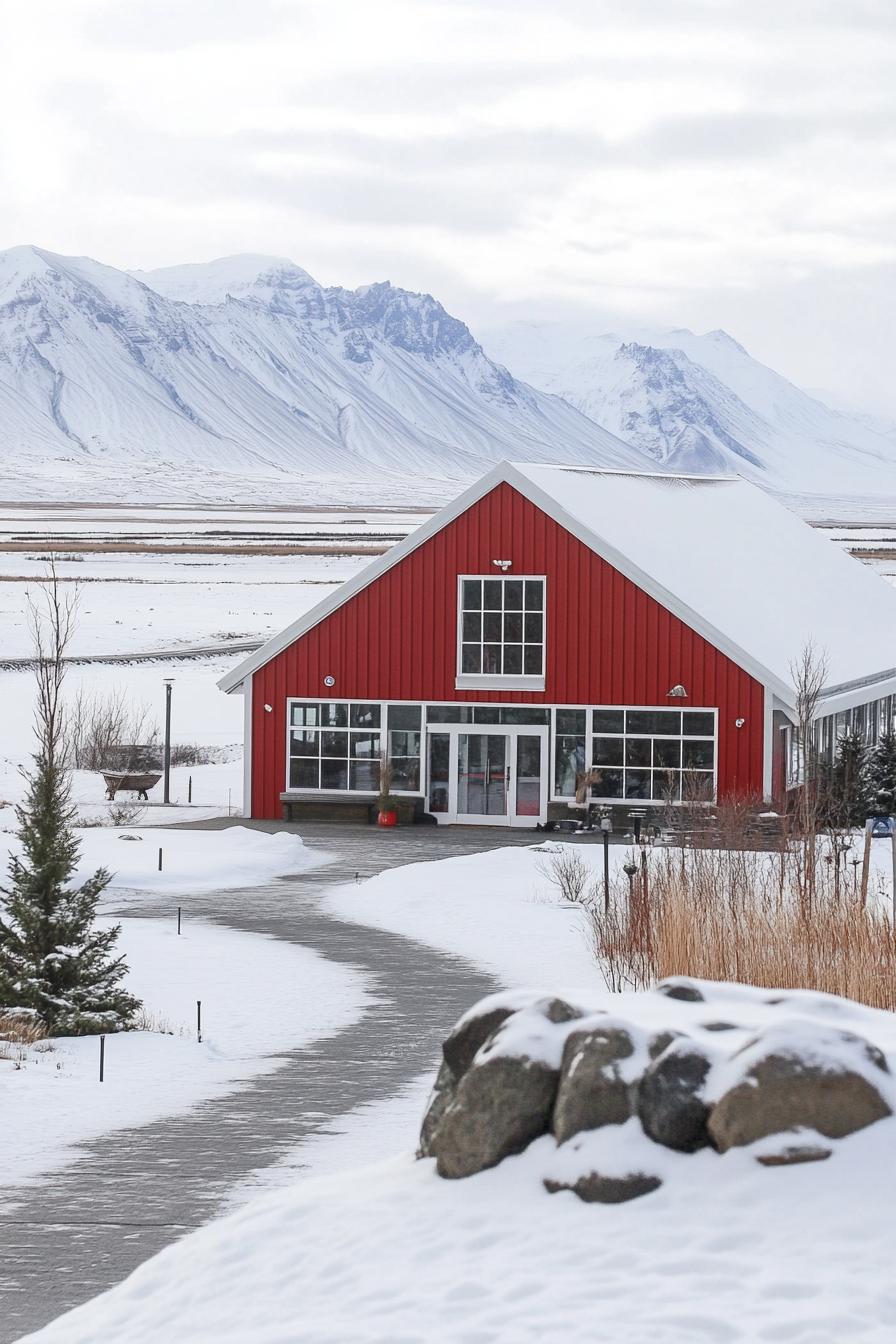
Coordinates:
(726, 1251)
(133, 604)
(288, 995)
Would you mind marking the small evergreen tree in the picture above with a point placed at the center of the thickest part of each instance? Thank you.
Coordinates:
(849, 803)
(880, 776)
(54, 962)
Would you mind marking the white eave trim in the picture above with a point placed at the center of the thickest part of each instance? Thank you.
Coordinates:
(506, 472)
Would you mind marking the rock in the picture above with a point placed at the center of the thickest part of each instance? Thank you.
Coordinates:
(670, 1097)
(789, 1156)
(597, 1189)
(498, 1107)
(592, 1091)
(661, 1041)
(460, 1048)
(719, 1026)
(442, 1094)
(558, 1010)
(676, 987)
(800, 1076)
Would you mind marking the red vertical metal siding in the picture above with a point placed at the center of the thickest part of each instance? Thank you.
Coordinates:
(608, 642)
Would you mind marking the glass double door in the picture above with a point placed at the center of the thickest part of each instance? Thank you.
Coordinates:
(488, 776)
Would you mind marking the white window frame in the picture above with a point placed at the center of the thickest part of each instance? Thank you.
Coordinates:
(484, 681)
(384, 734)
(589, 738)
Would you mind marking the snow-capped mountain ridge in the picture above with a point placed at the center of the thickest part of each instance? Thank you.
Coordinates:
(220, 380)
(258, 371)
(701, 402)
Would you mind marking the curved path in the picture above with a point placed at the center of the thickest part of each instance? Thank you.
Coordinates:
(134, 1191)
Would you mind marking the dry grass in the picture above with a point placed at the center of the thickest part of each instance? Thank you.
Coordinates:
(19, 1033)
(755, 918)
(145, 1019)
(21, 1028)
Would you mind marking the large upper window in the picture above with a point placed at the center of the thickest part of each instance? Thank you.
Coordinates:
(501, 627)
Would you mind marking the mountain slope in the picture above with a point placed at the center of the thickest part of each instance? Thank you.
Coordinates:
(248, 369)
(702, 403)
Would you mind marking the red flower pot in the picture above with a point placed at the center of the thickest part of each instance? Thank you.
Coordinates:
(387, 818)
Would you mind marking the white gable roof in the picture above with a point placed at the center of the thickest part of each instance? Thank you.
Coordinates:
(731, 562)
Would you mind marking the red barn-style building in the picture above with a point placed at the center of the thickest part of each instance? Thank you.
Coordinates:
(557, 619)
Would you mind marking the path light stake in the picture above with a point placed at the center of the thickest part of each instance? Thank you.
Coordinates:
(178, 921)
(866, 862)
(189, 788)
(606, 823)
(160, 858)
(102, 1056)
(199, 1019)
(166, 796)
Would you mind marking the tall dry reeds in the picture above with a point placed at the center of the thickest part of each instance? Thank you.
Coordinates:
(789, 919)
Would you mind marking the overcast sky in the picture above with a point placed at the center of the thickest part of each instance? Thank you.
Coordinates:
(702, 163)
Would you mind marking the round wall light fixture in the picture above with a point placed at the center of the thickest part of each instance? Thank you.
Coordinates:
(739, 723)
(329, 681)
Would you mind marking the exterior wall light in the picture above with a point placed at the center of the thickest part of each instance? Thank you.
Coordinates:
(269, 709)
(329, 681)
(503, 565)
(739, 723)
(678, 692)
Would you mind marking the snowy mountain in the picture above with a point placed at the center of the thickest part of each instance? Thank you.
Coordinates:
(702, 403)
(238, 377)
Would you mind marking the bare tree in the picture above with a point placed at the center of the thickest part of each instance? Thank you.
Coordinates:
(107, 730)
(51, 617)
(809, 673)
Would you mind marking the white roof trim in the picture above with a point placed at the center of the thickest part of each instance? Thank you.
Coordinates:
(507, 472)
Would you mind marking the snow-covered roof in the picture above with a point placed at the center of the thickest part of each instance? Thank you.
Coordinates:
(726, 558)
(732, 562)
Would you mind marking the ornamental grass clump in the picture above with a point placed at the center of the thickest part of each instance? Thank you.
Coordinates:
(757, 918)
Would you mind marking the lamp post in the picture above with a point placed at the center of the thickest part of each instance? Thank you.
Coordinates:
(166, 798)
(606, 825)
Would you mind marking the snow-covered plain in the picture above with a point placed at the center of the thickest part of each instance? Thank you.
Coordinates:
(289, 995)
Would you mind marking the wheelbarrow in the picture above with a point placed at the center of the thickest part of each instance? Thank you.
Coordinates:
(131, 783)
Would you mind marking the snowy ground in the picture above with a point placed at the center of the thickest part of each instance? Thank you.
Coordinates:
(288, 995)
(725, 1251)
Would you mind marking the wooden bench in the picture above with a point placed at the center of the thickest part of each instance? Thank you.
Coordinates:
(344, 807)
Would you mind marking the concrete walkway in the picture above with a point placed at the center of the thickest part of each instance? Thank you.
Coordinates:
(135, 1191)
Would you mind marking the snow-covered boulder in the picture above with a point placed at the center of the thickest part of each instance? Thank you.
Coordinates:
(499, 1107)
(689, 1066)
(496, 1089)
(799, 1075)
(598, 1078)
(671, 1106)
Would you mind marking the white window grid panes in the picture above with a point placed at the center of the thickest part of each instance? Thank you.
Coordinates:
(336, 745)
(642, 754)
(501, 626)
